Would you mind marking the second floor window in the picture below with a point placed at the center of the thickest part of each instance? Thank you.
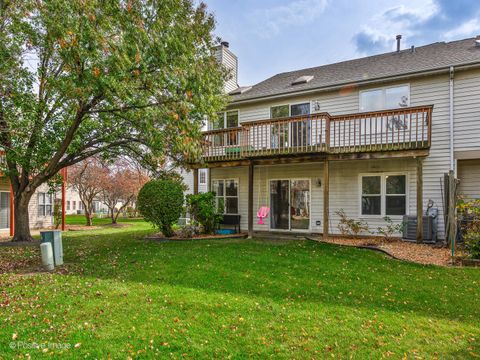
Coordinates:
(385, 98)
(225, 120)
(279, 111)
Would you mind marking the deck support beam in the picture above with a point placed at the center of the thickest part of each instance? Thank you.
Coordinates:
(250, 199)
(419, 200)
(195, 181)
(326, 200)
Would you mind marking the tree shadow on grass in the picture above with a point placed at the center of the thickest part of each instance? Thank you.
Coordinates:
(292, 271)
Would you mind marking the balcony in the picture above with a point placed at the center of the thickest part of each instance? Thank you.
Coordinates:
(395, 130)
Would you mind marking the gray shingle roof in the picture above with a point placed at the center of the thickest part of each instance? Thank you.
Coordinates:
(425, 58)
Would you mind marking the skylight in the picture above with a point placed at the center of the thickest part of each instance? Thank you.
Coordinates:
(240, 90)
(302, 80)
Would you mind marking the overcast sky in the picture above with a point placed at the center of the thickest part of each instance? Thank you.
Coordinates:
(273, 36)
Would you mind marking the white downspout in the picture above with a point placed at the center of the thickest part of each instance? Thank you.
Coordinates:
(452, 142)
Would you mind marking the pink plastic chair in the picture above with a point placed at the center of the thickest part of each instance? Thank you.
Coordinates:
(262, 213)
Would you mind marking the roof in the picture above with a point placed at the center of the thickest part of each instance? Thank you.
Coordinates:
(435, 56)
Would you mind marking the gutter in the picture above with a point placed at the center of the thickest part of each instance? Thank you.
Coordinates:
(444, 70)
(451, 121)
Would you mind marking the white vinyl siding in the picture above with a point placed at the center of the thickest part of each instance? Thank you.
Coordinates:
(469, 176)
(428, 90)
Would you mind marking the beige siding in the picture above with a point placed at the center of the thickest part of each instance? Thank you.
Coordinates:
(38, 221)
(228, 59)
(469, 175)
(344, 188)
(467, 110)
(431, 90)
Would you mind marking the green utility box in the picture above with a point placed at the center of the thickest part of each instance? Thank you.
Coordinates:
(55, 238)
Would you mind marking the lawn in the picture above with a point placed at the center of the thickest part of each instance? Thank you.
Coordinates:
(119, 296)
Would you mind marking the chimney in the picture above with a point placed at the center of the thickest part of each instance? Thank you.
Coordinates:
(412, 49)
(477, 40)
(399, 37)
(230, 61)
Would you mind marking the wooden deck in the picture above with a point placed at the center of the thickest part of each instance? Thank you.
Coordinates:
(399, 130)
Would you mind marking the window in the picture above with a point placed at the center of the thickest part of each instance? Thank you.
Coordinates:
(371, 195)
(225, 120)
(68, 204)
(279, 111)
(44, 204)
(385, 98)
(395, 195)
(202, 176)
(384, 194)
(80, 205)
(227, 192)
(74, 205)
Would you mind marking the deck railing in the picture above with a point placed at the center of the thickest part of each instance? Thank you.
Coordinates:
(390, 130)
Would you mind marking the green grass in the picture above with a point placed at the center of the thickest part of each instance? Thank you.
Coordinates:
(80, 220)
(121, 296)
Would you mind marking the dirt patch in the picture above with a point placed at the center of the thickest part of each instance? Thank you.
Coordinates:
(419, 253)
(161, 238)
(81, 227)
(118, 225)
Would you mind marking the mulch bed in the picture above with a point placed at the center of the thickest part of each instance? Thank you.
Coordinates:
(161, 238)
(418, 253)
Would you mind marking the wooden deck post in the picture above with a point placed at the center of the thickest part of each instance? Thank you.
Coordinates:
(326, 194)
(250, 200)
(195, 181)
(419, 200)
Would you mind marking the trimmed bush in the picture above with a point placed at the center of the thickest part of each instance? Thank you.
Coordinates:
(161, 203)
(203, 209)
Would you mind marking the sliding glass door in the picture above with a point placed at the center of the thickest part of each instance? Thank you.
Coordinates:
(290, 204)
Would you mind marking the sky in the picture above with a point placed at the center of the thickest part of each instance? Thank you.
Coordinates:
(274, 36)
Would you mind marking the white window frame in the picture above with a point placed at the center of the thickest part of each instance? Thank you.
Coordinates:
(383, 195)
(202, 173)
(43, 204)
(210, 125)
(225, 194)
(309, 102)
(383, 89)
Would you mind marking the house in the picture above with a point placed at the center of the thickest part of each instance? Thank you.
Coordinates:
(373, 136)
(40, 208)
(74, 205)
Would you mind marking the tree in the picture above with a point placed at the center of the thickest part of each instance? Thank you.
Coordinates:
(161, 203)
(87, 178)
(121, 185)
(80, 78)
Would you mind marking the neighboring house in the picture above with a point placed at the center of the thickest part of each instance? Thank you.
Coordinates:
(372, 136)
(40, 208)
(74, 205)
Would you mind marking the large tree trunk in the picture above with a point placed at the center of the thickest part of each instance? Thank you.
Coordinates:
(21, 218)
(88, 217)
